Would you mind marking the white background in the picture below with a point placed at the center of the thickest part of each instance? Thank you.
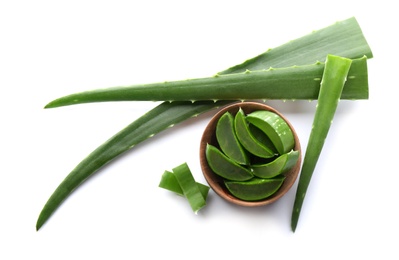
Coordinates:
(52, 48)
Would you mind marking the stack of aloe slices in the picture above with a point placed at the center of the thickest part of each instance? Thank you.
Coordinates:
(305, 56)
(252, 161)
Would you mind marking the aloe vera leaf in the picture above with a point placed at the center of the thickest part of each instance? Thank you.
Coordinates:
(334, 77)
(344, 38)
(169, 182)
(156, 120)
(298, 82)
(124, 140)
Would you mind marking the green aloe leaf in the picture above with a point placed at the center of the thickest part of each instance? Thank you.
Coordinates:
(296, 82)
(334, 77)
(344, 38)
(161, 117)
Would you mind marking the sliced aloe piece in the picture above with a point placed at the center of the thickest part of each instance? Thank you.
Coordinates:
(189, 187)
(275, 127)
(250, 143)
(228, 141)
(262, 138)
(224, 166)
(255, 189)
(169, 182)
(278, 166)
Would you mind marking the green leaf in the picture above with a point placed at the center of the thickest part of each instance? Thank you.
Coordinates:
(297, 82)
(334, 77)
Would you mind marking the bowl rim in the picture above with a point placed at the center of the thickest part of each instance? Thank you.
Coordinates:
(216, 182)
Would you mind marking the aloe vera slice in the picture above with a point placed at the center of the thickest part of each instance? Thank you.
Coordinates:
(275, 127)
(169, 182)
(254, 189)
(224, 166)
(189, 187)
(332, 84)
(276, 167)
(262, 138)
(228, 141)
(250, 143)
(344, 38)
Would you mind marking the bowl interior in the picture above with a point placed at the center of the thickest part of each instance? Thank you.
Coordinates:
(216, 182)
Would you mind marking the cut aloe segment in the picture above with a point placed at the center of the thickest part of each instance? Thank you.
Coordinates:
(278, 166)
(189, 187)
(225, 167)
(250, 143)
(255, 189)
(275, 127)
(262, 138)
(169, 182)
(228, 141)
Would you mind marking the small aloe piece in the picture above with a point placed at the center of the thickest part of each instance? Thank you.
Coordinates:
(279, 165)
(169, 182)
(275, 127)
(344, 38)
(228, 141)
(262, 137)
(224, 166)
(334, 77)
(246, 138)
(254, 189)
(189, 187)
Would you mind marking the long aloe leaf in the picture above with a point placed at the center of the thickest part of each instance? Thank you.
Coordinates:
(151, 123)
(336, 37)
(343, 38)
(334, 77)
(297, 82)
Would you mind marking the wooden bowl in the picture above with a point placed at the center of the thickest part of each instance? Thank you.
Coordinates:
(216, 182)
